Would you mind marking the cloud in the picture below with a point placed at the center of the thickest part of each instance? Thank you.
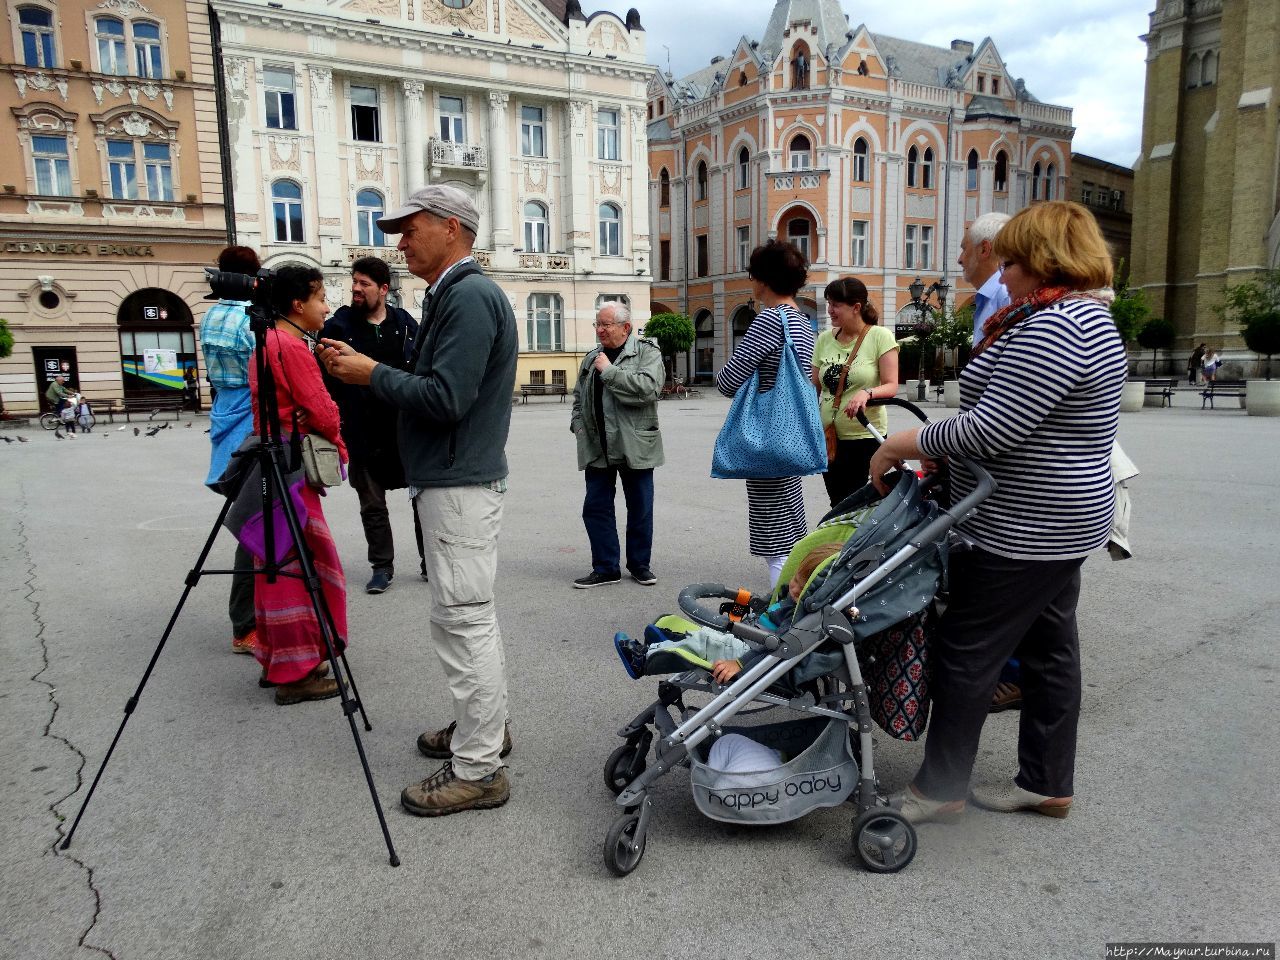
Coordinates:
(1085, 55)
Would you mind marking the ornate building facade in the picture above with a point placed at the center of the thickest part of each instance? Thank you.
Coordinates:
(337, 112)
(1207, 184)
(871, 153)
(111, 201)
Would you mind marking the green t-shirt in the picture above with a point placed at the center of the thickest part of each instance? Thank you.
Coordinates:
(829, 355)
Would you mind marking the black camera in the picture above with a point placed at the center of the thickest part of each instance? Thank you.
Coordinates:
(240, 286)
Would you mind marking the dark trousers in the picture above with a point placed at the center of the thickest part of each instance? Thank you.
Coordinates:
(849, 470)
(602, 526)
(998, 606)
(377, 519)
(240, 604)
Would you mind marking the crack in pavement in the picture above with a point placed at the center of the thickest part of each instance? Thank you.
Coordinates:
(81, 760)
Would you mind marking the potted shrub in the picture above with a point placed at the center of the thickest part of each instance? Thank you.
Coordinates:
(674, 333)
(1255, 305)
(1130, 312)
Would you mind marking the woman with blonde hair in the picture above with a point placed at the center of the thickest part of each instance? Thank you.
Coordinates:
(1039, 406)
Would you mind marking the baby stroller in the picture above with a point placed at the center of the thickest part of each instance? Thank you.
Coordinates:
(888, 570)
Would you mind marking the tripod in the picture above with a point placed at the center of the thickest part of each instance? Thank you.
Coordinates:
(269, 455)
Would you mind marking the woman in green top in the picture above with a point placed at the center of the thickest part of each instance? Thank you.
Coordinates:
(870, 353)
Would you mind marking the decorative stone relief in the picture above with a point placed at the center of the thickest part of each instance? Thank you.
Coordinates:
(530, 261)
(369, 164)
(236, 70)
(321, 85)
(413, 89)
(606, 36)
(482, 258)
(558, 262)
(637, 123)
(142, 212)
(578, 112)
(123, 6)
(247, 217)
(283, 153)
(498, 100)
(385, 8)
(580, 235)
(611, 180)
(329, 221)
(535, 177)
(40, 81)
(136, 125)
(520, 24)
(389, 254)
(48, 208)
(475, 16)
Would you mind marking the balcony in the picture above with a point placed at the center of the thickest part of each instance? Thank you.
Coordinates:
(465, 156)
(803, 179)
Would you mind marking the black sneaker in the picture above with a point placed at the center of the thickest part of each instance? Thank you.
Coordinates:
(379, 582)
(644, 575)
(594, 579)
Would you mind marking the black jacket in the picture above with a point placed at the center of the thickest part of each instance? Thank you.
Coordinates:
(368, 423)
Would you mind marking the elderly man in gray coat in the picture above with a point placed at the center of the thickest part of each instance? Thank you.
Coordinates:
(615, 419)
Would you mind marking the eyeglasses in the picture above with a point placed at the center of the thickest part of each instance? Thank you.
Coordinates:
(601, 324)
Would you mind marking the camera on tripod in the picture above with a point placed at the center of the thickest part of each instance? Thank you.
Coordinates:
(240, 286)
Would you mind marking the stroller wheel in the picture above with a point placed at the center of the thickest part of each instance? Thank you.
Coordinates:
(884, 840)
(624, 765)
(623, 850)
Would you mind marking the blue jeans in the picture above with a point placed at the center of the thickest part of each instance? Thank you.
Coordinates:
(602, 527)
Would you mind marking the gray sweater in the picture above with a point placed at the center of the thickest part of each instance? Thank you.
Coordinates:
(455, 407)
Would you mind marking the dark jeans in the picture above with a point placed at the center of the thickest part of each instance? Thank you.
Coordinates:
(999, 606)
(849, 470)
(240, 604)
(602, 526)
(377, 520)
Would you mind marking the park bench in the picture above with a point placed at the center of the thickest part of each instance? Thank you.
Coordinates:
(1164, 389)
(528, 390)
(1221, 388)
(135, 406)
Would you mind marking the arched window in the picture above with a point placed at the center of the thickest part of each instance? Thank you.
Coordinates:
(286, 207)
(1035, 182)
(798, 153)
(798, 234)
(369, 207)
(971, 171)
(1193, 71)
(111, 56)
(860, 164)
(1002, 171)
(1049, 178)
(744, 168)
(913, 165)
(610, 231)
(36, 25)
(926, 169)
(1209, 69)
(664, 188)
(146, 49)
(536, 227)
(702, 181)
(544, 322)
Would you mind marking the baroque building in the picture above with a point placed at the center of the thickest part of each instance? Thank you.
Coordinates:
(1207, 184)
(111, 201)
(337, 111)
(868, 152)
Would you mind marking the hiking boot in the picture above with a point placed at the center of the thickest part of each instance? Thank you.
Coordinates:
(595, 579)
(312, 688)
(246, 644)
(443, 793)
(436, 744)
(644, 576)
(379, 582)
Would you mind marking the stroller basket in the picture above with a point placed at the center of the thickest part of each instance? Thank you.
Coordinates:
(821, 773)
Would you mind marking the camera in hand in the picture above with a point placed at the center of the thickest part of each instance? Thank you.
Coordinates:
(240, 286)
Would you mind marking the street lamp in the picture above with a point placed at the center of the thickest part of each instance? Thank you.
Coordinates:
(920, 296)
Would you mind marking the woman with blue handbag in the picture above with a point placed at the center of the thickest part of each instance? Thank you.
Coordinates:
(772, 450)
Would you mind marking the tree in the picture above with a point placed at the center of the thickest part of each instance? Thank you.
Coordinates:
(6, 351)
(673, 333)
(1130, 311)
(1156, 334)
(1255, 305)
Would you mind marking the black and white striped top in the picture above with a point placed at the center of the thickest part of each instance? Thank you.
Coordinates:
(1039, 409)
(761, 347)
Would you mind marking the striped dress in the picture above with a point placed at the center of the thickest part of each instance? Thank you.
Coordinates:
(1039, 410)
(775, 508)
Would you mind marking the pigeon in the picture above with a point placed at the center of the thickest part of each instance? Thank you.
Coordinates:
(7, 439)
(136, 431)
(118, 429)
(165, 426)
(22, 439)
(188, 424)
(154, 413)
(153, 431)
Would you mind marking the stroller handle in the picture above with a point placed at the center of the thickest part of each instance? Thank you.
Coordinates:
(691, 606)
(986, 484)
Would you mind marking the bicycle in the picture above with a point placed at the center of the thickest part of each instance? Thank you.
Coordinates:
(69, 418)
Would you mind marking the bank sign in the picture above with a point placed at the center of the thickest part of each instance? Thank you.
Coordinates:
(79, 249)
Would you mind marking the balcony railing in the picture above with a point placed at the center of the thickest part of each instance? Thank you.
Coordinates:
(802, 179)
(471, 156)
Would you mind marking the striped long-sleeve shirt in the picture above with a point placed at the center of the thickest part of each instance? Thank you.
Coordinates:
(1039, 410)
(761, 348)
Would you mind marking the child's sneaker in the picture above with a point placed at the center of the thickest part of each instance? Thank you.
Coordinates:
(654, 634)
(631, 653)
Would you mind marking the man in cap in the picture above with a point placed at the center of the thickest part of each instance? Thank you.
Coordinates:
(455, 413)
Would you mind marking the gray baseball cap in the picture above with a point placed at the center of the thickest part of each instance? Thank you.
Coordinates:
(441, 200)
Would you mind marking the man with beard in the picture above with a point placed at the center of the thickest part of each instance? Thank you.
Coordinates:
(386, 333)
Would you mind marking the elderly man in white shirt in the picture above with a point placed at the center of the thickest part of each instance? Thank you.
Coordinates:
(981, 269)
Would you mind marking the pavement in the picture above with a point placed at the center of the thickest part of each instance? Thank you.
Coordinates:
(228, 827)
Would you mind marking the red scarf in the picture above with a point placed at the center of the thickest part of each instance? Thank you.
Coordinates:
(1004, 320)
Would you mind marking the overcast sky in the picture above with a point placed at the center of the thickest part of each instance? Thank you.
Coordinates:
(1083, 54)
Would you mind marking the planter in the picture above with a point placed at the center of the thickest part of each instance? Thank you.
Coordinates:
(908, 389)
(951, 394)
(1131, 400)
(1263, 397)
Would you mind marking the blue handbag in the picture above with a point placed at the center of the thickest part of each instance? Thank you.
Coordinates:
(777, 433)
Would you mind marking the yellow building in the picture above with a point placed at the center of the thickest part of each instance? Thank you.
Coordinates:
(1207, 205)
(870, 153)
(112, 194)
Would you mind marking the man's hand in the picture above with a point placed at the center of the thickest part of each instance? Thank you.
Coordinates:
(344, 363)
(601, 361)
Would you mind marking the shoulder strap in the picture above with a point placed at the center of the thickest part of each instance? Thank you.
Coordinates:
(844, 371)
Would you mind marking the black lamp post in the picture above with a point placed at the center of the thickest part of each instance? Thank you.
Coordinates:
(920, 296)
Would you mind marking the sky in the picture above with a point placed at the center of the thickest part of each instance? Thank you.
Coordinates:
(1083, 54)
